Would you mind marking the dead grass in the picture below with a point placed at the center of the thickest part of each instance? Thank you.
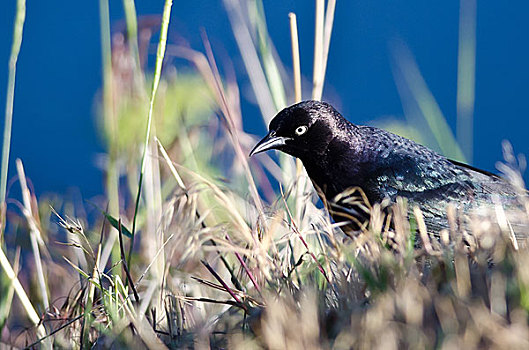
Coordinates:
(224, 259)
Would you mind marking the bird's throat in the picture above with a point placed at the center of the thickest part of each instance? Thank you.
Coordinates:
(321, 178)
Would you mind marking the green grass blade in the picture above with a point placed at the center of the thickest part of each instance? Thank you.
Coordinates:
(132, 35)
(115, 223)
(270, 66)
(426, 103)
(156, 80)
(110, 120)
(254, 68)
(15, 50)
(466, 76)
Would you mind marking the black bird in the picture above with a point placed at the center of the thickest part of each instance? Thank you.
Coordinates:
(340, 156)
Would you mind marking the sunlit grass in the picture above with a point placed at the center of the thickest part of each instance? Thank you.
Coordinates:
(224, 256)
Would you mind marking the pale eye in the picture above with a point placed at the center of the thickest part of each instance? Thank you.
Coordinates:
(300, 130)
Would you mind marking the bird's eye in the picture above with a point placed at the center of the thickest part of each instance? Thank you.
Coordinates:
(300, 130)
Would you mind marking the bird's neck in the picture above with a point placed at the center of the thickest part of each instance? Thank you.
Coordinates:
(336, 169)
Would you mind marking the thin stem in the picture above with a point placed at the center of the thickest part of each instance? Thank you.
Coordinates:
(35, 234)
(300, 180)
(132, 36)
(466, 76)
(26, 303)
(317, 81)
(156, 80)
(329, 20)
(295, 56)
(10, 97)
(112, 169)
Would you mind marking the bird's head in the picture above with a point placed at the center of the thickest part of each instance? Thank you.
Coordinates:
(302, 130)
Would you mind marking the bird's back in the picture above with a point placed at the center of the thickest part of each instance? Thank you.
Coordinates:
(390, 166)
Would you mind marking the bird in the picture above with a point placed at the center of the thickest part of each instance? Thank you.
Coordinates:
(341, 157)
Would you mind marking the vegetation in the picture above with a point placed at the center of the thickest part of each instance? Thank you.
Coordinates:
(195, 245)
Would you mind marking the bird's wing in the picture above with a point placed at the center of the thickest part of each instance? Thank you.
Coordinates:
(472, 169)
(488, 183)
(433, 184)
(407, 174)
(400, 167)
(395, 164)
(403, 167)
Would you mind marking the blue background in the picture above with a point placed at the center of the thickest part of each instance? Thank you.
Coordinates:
(59, 71)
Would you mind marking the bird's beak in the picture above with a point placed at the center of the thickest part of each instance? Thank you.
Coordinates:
(270, 141)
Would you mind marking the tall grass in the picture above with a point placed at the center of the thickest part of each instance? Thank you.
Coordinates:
(15, 286)
(420, 107)
(466, 76)
(223, 258)
(8, 120)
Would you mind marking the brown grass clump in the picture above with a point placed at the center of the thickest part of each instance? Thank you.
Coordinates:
(238, 253)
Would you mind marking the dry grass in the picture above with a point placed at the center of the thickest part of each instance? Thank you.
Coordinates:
(225, 259)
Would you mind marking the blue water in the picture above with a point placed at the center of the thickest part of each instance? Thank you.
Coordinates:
(59, 71)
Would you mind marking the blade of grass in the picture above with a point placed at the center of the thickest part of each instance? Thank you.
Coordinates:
(112, 170)
(265, 46)
(10, 97)
(317, 82)
(301, 181)
(423, 230)
(132, 36)
(34, 233)
(19, 290)
(77, 268)
(117, 225)
(245, 267)
(466, 76)
(322, 42)
(264, 77)
(6, 300)
(89, 302)
(152, 261)
(242, 295)
(93, 283)
(75, 319)
(409, 72)
(156, 80)
(329, 21)
(153, 232)
(124, 264)
(295, 56)
(218, 278)
(251, 60)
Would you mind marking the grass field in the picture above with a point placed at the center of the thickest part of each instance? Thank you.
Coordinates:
(195, 245)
